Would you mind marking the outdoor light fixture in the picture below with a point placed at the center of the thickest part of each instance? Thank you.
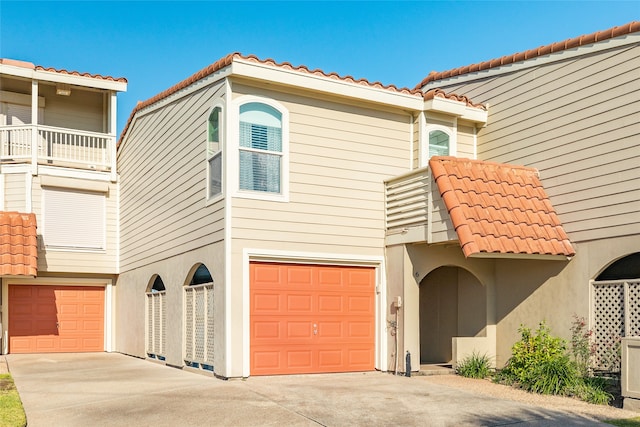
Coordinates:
(63, 89)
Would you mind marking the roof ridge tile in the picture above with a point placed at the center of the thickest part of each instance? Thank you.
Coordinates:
(582, 40)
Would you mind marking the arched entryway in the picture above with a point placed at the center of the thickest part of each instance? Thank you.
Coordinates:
(615, 308)
(199, 318)
(156, 335)
(453, 303)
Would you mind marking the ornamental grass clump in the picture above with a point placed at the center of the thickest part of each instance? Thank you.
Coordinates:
(474, 366)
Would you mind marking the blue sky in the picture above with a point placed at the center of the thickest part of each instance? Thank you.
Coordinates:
(155, 44)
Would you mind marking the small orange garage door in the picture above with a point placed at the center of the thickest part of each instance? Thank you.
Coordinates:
(55, 319)
(311, 318)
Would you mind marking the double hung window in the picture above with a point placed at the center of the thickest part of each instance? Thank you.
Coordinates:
(214, 153)
(261, 148)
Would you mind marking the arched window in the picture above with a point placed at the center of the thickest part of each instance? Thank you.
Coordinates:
(199, 319)
(438, 143)
(156, 318)
(214, 152)
(261, 148)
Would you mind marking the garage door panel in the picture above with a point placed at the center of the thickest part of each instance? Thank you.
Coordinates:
(323, 319)
(55, 318)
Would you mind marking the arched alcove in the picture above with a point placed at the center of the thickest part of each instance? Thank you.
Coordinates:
(156, 318)
(199, 318)
(452, 304)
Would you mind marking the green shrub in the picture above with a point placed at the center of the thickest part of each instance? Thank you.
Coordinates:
(474, 366)
(553, 376)
(539, 362)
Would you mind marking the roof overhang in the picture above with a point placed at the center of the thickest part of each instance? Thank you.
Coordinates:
(321, 83)
(456, 108)
(55, 77)
(18, 244)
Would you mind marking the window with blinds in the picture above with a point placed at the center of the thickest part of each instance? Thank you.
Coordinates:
(73, 219)
(260, 148)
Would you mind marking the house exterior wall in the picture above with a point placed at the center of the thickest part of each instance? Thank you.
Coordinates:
(15, 189)
(163, 176)
(338, 156)
(174, 272)
(82, 110)
(575, 120)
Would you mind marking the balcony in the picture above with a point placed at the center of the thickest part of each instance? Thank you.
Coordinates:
(38, 144)
(415, 211)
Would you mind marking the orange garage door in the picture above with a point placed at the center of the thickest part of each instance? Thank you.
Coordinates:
(55, 319)
(311, 318)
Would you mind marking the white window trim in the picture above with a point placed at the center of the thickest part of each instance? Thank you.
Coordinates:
(234, 150)
(424, 142)
(222, 123)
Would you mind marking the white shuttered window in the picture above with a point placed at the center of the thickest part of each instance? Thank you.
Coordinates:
(261, 150)
(74, 219)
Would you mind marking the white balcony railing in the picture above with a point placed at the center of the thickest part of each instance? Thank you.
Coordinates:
(67, 147)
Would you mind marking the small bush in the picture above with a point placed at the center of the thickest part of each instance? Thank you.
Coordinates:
(539, 362)
(474, 366)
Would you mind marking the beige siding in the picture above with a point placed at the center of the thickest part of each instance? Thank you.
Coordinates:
(83, 109)
(415, 164)
(466, 141)
(339, 156)
(15, 192)
(577, 121)
(98, 262)
(163, 170)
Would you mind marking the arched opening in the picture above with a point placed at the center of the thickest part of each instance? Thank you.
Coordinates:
(615, 309)
(156, 318)
(452, 304)
(199, 318)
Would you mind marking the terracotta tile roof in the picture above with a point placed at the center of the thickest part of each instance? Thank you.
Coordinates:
(228, 60)
(499, 208)
(622, 30)
(18, 244)
(31, 66)
(433, 93)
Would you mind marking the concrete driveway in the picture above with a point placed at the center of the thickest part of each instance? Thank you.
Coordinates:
(110, 389)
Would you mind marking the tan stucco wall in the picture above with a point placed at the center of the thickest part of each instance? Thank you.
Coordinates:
(130, 305)
(519, 291)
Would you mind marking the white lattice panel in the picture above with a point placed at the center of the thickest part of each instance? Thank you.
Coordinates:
(608, 309)
(199, 324)
(188, 324)
(155, 326)
(149, 323)
(633, 314)
(210, 325)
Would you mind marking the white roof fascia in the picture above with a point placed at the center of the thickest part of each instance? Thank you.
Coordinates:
(628, 39)
(71, 79)
(256, 70)
(456, 108)
(542, 257)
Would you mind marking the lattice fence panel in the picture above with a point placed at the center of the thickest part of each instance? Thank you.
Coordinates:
(188, 322)
(210, 325)
(608, 301)
(149, 323)
(163, 320)
(633, 315)
(155, 326)
(199, 324)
